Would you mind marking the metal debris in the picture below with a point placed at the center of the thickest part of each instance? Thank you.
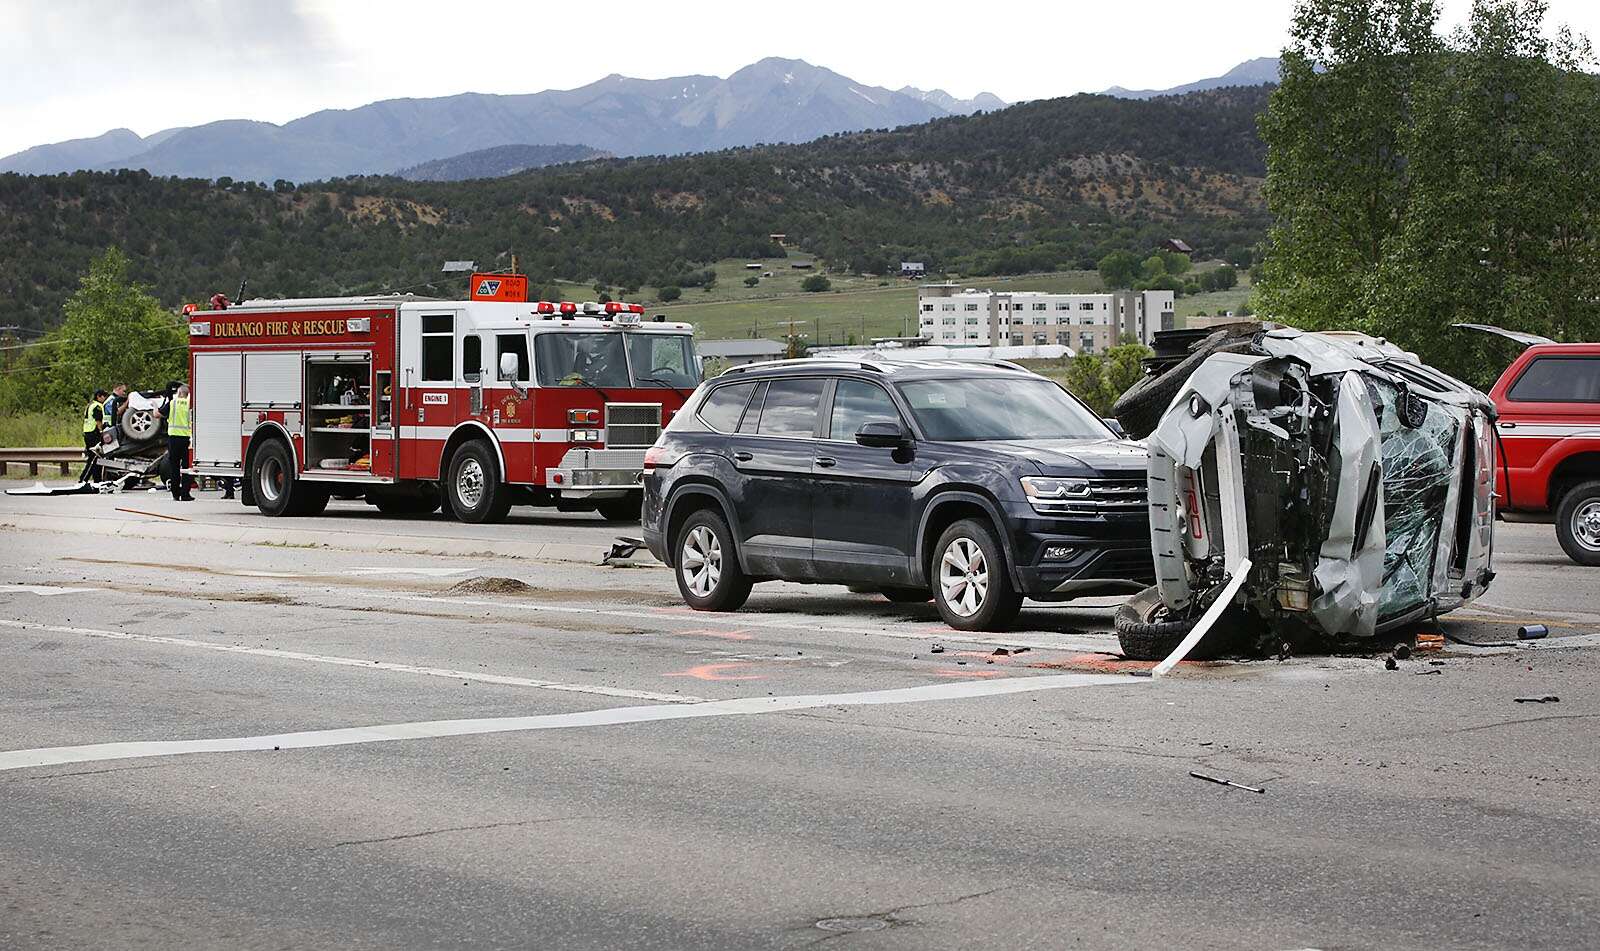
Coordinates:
(1226, 782)
(1532, 632)
(1547, 698)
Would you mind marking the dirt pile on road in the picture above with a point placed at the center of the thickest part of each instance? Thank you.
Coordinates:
(490, 586)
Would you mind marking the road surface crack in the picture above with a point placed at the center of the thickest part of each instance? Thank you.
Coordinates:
(473, 828)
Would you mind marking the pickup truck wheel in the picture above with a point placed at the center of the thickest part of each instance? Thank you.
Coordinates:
(1578, 523)
(707, 565)
(473, 485)
(971, 584)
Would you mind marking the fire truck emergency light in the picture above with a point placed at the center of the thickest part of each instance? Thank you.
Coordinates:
(545, 307)
(591, 307)
(568, 308)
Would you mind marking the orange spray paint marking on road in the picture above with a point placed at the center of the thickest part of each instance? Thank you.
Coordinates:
(716, 672)
(953, 672)
(725, 635)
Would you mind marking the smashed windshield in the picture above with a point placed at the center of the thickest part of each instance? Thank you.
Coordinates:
(1001, 409)
(577, 359)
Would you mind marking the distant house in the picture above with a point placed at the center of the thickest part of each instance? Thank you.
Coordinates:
(800, 265)
(752, 267)
(913, 269)
(737, 352)
(778, 237)
(1178, 245)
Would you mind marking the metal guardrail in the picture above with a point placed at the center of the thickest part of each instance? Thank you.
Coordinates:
(63, 457)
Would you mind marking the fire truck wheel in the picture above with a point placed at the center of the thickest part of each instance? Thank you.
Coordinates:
(272, 478)
(708, 572)
(309, 499)
(621, 510)
(474, 488)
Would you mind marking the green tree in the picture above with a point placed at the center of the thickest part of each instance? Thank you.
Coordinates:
(752, 281)
(670, 293)
(1086, 379)
(113, 332)
(816, 283)
(1337, 183)
(1122, 368)
(1119, 269)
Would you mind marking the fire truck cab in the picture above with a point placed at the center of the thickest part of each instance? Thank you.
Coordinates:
(413, 403)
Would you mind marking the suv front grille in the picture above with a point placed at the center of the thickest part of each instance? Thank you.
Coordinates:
(1114, 496)
(632, 425)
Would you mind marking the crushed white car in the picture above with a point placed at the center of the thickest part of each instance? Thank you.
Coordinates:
(1330, 487)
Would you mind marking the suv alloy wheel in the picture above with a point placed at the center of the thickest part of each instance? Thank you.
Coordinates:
(971, 584)
(708, 572)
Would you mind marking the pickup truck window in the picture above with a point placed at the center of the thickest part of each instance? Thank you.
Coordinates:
(1558, 380)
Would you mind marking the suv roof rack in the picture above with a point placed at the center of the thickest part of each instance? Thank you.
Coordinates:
(873, 365)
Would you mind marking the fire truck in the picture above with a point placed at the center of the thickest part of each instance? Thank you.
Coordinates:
(412, 403)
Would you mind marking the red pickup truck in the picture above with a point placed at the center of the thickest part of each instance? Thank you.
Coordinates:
(1548, 400)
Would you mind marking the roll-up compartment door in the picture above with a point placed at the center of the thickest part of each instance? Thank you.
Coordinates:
(272, 380)
(217, 402)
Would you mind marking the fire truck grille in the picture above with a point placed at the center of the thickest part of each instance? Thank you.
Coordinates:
(632, 424)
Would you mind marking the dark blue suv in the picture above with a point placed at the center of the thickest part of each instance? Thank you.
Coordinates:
(975, 485)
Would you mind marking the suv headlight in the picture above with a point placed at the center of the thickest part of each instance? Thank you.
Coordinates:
(1051, 496)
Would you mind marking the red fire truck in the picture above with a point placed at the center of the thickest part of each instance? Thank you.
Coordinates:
(411, 403)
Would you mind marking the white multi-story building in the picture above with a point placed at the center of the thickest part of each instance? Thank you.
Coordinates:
(949, 315)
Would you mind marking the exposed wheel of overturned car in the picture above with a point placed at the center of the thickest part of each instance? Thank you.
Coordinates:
(1146, 631)
(1139, 410)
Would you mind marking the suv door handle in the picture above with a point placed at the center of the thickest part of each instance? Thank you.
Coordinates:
(826, 462)
(743, 456)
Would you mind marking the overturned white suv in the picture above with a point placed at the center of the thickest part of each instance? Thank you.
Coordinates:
(1325, 487)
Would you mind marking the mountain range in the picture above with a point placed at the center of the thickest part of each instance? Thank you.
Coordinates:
(499, 161)
(771, 101)
(1254, 72)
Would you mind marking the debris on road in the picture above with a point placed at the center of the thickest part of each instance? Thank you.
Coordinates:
(1547, 698)
(1389, 663)
(1226, 782)
(936, 649)
(1532, 632)
(172, 518)
(489, 585)
(622, 549)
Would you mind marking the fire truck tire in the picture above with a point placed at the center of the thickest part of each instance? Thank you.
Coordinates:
(424, 502)
(309, 499)
(474, 489)
(621, 510)
(707, 564)
(272, 480)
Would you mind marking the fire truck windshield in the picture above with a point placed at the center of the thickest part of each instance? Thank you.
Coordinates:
(575, 359)
(604, 359)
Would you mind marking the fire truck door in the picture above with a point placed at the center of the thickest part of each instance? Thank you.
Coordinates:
(472, 372)
(431, 401)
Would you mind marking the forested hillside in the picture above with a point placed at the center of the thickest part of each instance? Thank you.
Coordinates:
(1036, 186)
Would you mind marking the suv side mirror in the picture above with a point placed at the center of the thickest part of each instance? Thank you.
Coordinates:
(883, 434)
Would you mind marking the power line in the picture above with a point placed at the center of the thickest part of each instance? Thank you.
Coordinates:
(65, 363)
(37, 343)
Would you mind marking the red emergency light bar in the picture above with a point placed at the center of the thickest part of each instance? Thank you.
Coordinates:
(545, 307)
(613, 307)
(568, 307)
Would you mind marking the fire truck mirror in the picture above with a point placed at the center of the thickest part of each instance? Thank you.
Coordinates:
(508, 373)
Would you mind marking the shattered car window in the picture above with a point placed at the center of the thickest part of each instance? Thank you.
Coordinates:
(1418, 469)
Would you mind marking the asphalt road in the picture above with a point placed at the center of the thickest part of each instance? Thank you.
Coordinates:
(332, 736)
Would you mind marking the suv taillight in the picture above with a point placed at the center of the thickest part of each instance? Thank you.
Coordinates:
(660, 457)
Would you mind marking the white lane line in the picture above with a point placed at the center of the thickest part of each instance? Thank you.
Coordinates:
(42, 589)
(1069, 642)
(444, 672)
(616, 716)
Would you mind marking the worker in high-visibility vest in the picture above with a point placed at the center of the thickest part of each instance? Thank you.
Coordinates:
(178, 431)
(94, 423)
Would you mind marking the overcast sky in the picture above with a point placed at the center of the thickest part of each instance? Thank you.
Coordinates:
(73, 68)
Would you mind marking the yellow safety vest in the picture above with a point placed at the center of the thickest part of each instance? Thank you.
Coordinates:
(89, 422)
(178, 422)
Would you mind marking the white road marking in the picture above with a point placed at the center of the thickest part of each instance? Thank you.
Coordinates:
(430, 572)
(616, 716)
(1103, 645)
(43, 589)
(444, 672)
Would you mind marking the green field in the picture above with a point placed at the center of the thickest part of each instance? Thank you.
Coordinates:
(862, 307)
(1231, 299)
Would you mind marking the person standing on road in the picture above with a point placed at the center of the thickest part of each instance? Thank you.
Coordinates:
(178, 431)
(116, 404)
(94, 422)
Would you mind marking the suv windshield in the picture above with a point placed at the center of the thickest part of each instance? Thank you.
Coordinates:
(976, 410)
(602, 359)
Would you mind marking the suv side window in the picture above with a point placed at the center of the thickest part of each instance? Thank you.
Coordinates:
(1558, 380)
(855, 402)
(791, 408)
(724, 405)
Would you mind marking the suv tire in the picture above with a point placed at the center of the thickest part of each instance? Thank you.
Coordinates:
(908, 595)
(971, 584)
(473, 487)
(706, 564)
(1578, 523)
(1140, 409)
